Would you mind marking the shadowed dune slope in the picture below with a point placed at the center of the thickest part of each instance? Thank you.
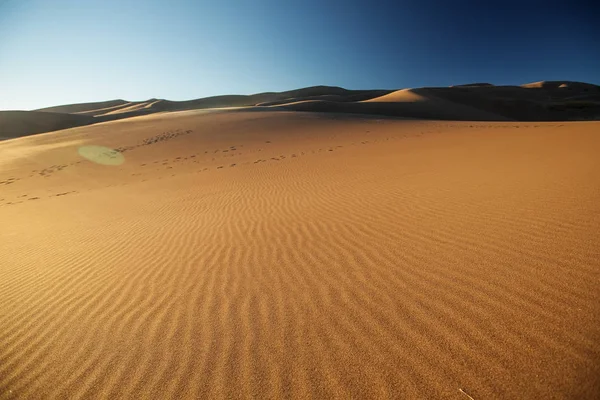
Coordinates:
(301, 255)
(405, 103)
(538, 101)
(561, 85)
(534, 102)
(105, 110)
(144, 105)
(261, 99)
(474, 84)
(83, 107)
(267, 98)
(355, 95)
(22, 123)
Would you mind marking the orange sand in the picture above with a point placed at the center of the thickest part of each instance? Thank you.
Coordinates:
(298, 255)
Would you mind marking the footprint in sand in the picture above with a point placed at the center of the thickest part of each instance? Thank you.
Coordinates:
(65, 193)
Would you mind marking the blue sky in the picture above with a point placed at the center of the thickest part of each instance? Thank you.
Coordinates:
(69, 51)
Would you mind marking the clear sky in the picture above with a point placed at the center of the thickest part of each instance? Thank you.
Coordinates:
(70, 51)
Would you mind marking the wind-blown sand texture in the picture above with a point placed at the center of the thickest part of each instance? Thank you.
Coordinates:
(298, 255)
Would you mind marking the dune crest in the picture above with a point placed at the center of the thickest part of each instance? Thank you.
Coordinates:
(404, 95)
(83, 107)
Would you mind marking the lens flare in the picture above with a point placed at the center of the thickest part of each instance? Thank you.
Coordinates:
(101, 155)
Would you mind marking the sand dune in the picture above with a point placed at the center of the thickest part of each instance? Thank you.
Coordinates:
(358, 95)
(525, 104)
(474, 84)
(82, 107)
(270, 98)
(404, 103)
(399, 96)
(538, 101)
(104, 110)
(22, 123)
(325, 97)
(143, 105)
(562, 85)
(300, 255)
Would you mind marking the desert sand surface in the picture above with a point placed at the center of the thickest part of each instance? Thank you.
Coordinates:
(301, 255)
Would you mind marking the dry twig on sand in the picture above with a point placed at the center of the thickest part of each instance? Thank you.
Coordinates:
(465, 393)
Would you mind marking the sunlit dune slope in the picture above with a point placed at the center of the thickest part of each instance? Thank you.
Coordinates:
(205, 254)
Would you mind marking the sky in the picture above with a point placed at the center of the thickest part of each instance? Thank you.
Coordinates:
(72, 51)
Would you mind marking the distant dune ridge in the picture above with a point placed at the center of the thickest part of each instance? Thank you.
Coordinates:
(83, 107)
(474, 84)
(538, 101)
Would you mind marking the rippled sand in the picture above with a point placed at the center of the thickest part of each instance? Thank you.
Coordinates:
(293, 255)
